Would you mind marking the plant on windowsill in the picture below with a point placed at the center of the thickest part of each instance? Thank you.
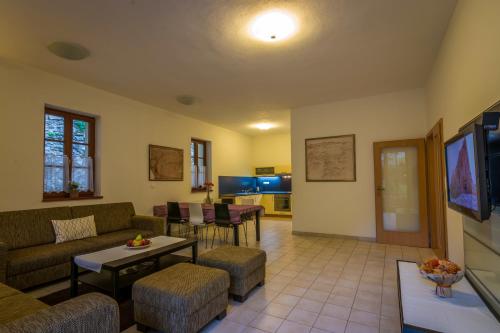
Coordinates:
(208, 186)
(73, 190)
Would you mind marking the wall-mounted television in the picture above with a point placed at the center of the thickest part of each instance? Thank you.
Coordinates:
(466, 173)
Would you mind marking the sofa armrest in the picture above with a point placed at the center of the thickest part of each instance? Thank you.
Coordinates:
(92, 312)
(153, 223)
(3, 262)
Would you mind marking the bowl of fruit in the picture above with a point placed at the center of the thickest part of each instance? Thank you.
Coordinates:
(444, 273)
(138, 243)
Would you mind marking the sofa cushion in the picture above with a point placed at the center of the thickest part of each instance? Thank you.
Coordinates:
(32, 258)
(182, 288)
(238, 261)
(17, 306)
(108, 217)
(116, 238)
(6, 291)
(78, 228)
(33, 227)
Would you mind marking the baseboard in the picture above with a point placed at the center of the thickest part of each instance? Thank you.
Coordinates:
(318, 234)
(277, 215)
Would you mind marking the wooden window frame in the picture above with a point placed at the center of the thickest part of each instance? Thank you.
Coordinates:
(68, 150)
(202, 187)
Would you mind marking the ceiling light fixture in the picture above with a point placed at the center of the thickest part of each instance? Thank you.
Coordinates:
(264, 126)
(69, 51)
(274, 25)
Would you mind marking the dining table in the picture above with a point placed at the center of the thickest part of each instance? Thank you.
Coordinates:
(236, 212)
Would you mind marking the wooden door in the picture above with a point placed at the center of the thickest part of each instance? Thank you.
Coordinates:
(435, 190)
(401, 193)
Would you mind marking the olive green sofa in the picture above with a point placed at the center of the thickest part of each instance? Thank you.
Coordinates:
(22, 313)
(29, 255)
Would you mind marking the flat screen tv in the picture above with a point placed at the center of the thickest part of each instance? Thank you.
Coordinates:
(466, 173)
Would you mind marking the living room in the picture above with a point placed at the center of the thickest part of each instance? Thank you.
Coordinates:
(170, 74)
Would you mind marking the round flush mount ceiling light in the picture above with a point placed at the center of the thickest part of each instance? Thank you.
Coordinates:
(273, 26)
(264, 126)
(69, 51)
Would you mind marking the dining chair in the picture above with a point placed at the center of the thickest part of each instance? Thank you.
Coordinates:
(223, 220)
(198, 221)
(174, 217)
(249, 216)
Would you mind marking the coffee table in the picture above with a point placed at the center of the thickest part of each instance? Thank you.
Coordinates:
(119, 267)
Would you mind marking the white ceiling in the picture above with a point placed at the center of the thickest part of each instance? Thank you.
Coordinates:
(154, 50)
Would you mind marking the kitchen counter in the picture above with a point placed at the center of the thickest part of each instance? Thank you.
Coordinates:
(256, 193)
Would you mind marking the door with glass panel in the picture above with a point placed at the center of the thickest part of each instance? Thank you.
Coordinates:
(400, 192)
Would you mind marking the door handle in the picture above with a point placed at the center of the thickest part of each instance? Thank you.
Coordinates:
(380, 188)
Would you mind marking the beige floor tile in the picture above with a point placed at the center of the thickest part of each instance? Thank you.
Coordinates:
(267, 323)
(353, 327)
(294, 290)
(309, 305)
(293, 327)
(243, 315)
(369, 306)
(278, 310)
(316, 295)
(302, 316)
(287, 299)
(331, 324)
(365, 318)
(346, 301)
(336, 311)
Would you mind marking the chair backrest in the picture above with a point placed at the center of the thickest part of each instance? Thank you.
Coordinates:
(196, 214)
(222, 215)
(173, 211)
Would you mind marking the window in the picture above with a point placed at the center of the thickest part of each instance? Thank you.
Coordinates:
(69, 151)
(200, 164)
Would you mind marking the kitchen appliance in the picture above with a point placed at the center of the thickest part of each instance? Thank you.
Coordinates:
(282, 203)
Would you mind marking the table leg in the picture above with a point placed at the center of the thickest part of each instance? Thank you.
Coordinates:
(74, 279)
(169, 231)
(236, 234)
(195, 252)
(257, 226)
(115, 286)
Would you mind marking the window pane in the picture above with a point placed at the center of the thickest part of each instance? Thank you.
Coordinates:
(80, 131)
(54, 127)
(192, 150)
(79, 152)
(201, 149)
(201, 176)
(81, 176)
(53, 179)
(201, 162)
(53, 149)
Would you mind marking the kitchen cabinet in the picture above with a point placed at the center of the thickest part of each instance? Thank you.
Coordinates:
(253, 199)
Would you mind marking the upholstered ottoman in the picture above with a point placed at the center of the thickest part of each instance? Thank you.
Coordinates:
(246, 266)
(180, 299)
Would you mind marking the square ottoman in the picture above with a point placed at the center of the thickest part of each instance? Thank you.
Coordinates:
(246, 267)
(180, 299)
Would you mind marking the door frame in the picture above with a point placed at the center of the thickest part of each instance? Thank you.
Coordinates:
(420, 238)
(438, 233)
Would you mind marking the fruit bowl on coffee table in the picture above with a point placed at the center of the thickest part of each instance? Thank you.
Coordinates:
(138, 243)
(444, 273)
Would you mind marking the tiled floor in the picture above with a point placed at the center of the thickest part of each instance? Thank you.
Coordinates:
(319, 285)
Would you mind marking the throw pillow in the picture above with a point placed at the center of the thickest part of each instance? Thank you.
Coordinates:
(79, 228)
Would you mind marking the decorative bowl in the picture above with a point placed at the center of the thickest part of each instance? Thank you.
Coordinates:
(444, 273)
(145, 243)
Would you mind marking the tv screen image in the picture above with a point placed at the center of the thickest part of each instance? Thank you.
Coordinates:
(462, 181)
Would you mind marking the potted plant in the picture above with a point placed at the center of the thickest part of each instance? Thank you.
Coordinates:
(73, 190)
(208, 187)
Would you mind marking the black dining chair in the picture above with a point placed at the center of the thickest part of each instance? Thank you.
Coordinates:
(174, 217)
(223, 220)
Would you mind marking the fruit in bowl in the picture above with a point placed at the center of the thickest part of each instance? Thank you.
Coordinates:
(138, 242)
(444, 273)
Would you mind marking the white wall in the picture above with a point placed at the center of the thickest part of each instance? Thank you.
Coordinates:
(465, 80)
(348, 208)
(271, 150)
(126, 127)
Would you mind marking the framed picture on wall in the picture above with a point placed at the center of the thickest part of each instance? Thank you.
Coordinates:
(331, 159)
(166, 163)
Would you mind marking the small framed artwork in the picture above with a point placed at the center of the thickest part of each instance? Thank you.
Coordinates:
(331, 159)
(166, 163)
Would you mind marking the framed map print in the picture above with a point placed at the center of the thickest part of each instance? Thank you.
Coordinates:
(166, 163)
(331, 159)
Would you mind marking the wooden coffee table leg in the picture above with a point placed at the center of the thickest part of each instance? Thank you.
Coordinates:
(115, 285)
(257, 226)
(74, 279)
(195, 252)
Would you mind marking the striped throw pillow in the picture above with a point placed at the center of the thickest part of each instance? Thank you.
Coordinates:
(79, 228)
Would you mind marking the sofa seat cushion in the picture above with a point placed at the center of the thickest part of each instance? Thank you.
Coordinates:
(6, 291)
(36, 257)
(238, 261)
(18, 306)
(182, 288)
(116, 238)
